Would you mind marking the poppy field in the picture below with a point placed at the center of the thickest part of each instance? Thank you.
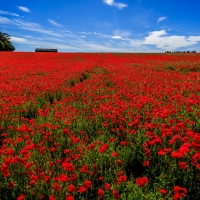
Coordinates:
(99, 126)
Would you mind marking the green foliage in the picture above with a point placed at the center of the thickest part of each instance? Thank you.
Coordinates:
(5, 44)
(71, 82)
(99, 70)
(171, 68)
(1, 45)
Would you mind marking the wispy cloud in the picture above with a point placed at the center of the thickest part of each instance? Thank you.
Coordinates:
(24, 9)
(8, 13)
(117, 34)
(5, 20)
(86, 33)
(46, 44)
(30, 26)
(121, 34)
(161, 19)
(112, 3)
(53, 22)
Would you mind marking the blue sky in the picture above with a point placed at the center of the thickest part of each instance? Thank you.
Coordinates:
(102, 25)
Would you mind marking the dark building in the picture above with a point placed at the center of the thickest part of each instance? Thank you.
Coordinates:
(45, 50)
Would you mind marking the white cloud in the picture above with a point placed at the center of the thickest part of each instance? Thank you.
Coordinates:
(194, 38)
(161, 19)
(109, 2)
(112, 3)
(24, 9)
(116, 37)
(18, 40)
(120, 5)
(162, 40)
(53, 22)
(8, 13)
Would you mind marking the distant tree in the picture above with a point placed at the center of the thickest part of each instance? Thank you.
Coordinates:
(5, 44)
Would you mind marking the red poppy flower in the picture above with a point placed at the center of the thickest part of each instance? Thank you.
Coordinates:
(71, 188)
(119, 162)
(162, 191)
(177, 197)
(107, 186)
(73, 177)
(87, 183)
(180, 190)
(68, 166)
(82, 189)
(52, 197)
(122, 179)
(146, 163)
(114, 154)
(100, 192)
(21, 197)
(69, 197)
(11, 184)
(183, 165)
(142, 181)
(84, 169)
(116, 194)
(103, 148)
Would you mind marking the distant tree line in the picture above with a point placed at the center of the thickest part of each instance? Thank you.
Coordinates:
(180, 51)
(5, 44)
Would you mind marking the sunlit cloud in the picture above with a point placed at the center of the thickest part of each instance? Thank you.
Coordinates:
(17, 39)
(116, 37)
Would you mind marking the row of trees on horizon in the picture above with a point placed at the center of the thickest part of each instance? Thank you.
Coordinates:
(180, 51)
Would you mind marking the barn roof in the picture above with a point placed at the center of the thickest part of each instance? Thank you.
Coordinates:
(45, 50)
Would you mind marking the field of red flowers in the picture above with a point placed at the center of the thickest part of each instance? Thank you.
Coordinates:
(99, 126)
